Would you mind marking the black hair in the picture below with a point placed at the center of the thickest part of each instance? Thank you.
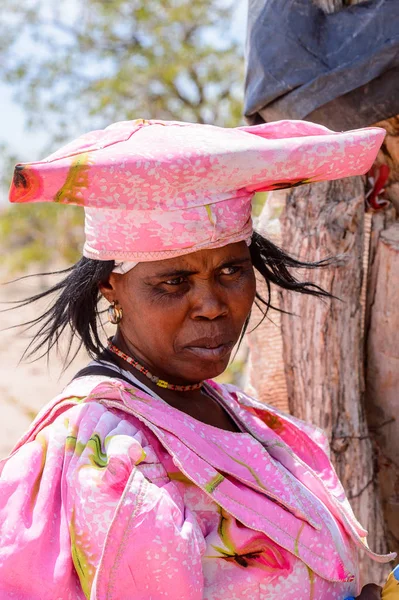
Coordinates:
(76, 305)
(75, 309)
(274, 265)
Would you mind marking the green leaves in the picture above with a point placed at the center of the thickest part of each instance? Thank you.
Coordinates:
(40, 235)
(98, 61)
(77, 66)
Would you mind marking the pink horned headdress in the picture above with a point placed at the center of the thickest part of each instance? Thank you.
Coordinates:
(157, 189)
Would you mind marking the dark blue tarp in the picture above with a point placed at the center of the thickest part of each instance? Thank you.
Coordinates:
(340, 69)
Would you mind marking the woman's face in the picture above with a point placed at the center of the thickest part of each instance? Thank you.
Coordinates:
(182, 316)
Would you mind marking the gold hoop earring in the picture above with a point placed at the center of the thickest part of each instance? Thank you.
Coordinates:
(115, 313)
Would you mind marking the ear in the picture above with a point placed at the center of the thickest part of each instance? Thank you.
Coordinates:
(108, 288)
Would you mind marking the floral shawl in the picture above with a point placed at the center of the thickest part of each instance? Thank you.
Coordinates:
(114, 495)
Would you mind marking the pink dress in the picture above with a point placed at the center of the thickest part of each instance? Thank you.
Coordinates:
(115, 495)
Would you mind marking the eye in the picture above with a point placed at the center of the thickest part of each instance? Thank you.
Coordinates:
(229, 270)
(175, 281)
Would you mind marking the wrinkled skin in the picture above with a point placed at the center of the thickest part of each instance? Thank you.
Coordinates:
(170, 304)
(173, 309)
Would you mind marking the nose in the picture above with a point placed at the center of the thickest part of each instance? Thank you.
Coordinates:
(208, 302)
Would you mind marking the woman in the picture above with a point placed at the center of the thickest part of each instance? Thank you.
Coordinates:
(145, 479)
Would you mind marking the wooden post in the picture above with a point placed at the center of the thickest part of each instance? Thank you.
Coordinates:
(324, 343)
(323, 347)
(383, 371)
(265, 367)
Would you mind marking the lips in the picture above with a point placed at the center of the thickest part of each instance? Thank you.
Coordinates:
(211, 347)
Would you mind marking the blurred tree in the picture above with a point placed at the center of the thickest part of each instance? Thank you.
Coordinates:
(38, 234)
(77, 66)
(91, 63)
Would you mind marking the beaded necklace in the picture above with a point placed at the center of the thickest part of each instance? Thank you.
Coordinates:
(159, 382)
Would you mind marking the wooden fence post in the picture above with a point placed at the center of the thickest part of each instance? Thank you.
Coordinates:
(265, 374)
(323, 346)
(382, 356)
(324, 343)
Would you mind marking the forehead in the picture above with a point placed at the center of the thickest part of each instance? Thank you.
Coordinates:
(196, 261)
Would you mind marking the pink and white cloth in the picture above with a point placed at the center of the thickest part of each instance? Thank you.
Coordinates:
(115, 495)
(159, 189)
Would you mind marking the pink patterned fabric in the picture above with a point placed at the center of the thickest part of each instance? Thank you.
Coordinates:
(157, 189)
(114, 495)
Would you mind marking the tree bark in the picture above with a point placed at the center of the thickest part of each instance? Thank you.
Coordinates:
(389, 155)
(322, 341)
(383, 372)
(265, 366)
(323, 345)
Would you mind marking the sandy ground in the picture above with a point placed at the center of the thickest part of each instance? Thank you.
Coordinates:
(24, 387)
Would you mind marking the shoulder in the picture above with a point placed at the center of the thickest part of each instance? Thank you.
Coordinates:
(82, 392)
(290, 428)
(88, 485)
(86, 434)
(285, 434)
(76, 429)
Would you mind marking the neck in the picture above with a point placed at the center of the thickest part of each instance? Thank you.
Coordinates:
(176, 399)
(127, 354)
(196, 403)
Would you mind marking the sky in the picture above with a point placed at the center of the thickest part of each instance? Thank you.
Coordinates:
(27, 144)
(13, 131)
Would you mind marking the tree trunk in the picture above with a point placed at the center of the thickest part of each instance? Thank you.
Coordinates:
(322, 341)
(265, 366)
(383, 371)
(323, 346)
(389, 155)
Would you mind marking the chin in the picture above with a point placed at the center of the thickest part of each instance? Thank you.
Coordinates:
(208, 371)
(202, 363)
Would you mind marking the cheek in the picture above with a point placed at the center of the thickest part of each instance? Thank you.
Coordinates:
(244, 296)
(152, 324)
